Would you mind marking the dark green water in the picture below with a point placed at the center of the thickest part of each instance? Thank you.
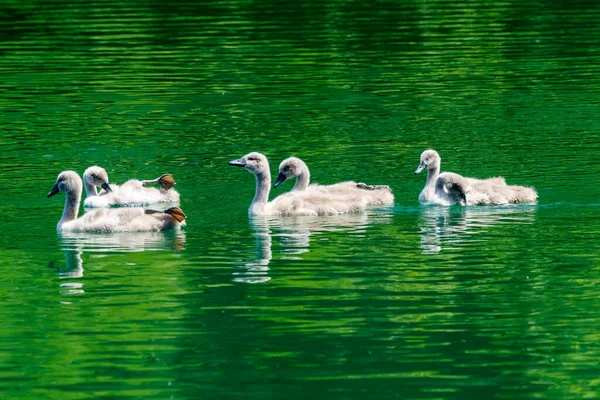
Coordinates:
(406, 302)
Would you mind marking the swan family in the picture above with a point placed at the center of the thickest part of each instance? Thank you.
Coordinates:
(133, 197)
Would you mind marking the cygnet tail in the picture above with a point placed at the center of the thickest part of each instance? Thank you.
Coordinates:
(174, 212)
(364, 186)
(523, 194)
(166, 181)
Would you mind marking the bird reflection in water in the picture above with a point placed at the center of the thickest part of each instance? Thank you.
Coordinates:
(294, 234)
(76, 243)
(72, 270)
(447, 227)
(257, 269)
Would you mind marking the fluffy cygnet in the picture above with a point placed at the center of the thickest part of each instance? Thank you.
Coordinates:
(294, 167)
(131, 193)
(448, 188)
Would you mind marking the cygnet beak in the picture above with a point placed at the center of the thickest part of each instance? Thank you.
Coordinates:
(280, 178)
(421, 167)
(54, 191)
(240, 162)
(106, 187)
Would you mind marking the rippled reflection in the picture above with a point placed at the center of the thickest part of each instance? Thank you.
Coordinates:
(75, 244)
(449, 227)
(123, 241)
(73, 269)
(257, 269)
(294, 235)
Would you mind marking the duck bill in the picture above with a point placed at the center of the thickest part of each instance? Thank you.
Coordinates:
(240, 162)
(280, 178)
(421, 167)
(106, 187)
(54, 191)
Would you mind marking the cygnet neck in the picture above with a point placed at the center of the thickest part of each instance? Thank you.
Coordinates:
(432, 174)
(302, 179)
(71, 210)
(90, 190)
(261, 197)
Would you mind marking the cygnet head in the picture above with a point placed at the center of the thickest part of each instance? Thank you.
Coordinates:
(430, 159)
(97, 176)
(254, 162)
(289, 168)
(67, 182)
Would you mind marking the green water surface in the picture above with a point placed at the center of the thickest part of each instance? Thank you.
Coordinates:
(408, 301)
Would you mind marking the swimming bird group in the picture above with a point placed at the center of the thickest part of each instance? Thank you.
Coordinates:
(125, 219)
(305, 199)
(133, 197)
